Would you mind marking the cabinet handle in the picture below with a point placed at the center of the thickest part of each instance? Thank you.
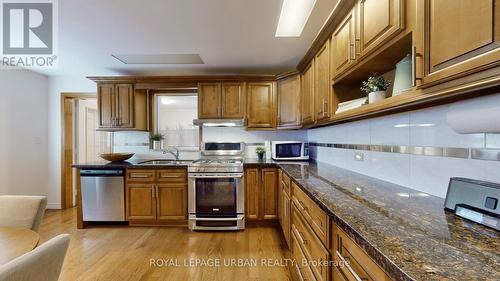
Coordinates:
(352, 51)
(357, 49)
(348, 266)
(302, 240)
(139, 176)
(157, 192)
(302, 205)
(169, 177)
(152, 191)
(414, 56)
(325, 107)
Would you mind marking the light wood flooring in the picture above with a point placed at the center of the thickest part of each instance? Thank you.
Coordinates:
(126, 253)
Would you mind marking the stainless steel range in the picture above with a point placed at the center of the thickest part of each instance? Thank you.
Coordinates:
(216, 189)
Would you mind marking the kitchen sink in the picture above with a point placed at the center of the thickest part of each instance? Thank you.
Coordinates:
(163, 162)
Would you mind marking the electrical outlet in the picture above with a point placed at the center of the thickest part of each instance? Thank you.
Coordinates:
(359, 156)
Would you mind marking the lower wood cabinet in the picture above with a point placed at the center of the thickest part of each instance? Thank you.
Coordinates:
(156, 195)
(261, 193)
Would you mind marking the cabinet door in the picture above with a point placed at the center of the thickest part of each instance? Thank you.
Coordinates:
(261, 105)
(285, 225)
(172, 201)
(252, 193)
(379, 20)
(307, 95)
(322, 82)
(105, 103)
(269, 188)
(343, 43)
(141, 202)
(124, 105)
(289, 102)
(233, 100)
(461, 37)
(209, 100)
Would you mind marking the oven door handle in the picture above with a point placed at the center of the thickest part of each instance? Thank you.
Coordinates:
(215, 176)
(237, 218)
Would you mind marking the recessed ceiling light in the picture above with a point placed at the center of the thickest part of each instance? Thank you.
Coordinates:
(293, 17)
(160, 59)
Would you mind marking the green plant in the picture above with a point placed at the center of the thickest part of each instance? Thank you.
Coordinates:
(156, 137)
(375, 83)
(260, 150)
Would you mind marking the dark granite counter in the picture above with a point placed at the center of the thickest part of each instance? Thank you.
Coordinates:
(406, 232)
(130, 164)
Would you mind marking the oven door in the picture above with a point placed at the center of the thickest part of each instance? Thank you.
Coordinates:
(213, 195)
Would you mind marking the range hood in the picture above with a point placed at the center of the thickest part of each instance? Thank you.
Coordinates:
(220, 122)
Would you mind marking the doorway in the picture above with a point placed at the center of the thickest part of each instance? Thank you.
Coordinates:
(81, 141)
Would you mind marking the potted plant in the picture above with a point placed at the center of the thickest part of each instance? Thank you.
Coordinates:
(260, 152)
(157, 141)
(376, 87)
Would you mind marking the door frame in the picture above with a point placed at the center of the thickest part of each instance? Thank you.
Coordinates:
(67, 149)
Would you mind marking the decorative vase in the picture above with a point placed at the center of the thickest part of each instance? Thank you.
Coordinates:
(261, 156)
(376, 96)
(157, 145)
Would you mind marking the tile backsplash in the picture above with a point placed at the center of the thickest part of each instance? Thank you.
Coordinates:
(420, 128)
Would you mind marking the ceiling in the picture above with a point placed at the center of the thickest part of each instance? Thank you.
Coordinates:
(231, 36)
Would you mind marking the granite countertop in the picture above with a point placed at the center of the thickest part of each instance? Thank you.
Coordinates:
(408, 233)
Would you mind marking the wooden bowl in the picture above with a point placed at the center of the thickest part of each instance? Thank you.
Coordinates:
(116, 157)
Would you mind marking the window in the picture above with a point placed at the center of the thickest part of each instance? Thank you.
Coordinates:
(174, 120)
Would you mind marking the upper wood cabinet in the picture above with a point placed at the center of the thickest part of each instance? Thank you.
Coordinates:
(379, 20)
(322, 83)
(261, 105)
(209, 97)
(461, 37)
(289, 101)
(221, 100)
(343, 45)
(233, 100)
(307, 95)
(261, 194)
(121, 108)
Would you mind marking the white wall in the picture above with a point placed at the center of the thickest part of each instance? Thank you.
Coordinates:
(426, 127)
(23, 133)
(56, 86)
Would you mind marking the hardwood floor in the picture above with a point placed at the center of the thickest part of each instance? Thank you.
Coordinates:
(161, 253)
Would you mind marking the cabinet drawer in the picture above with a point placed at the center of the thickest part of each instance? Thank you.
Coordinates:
(171, 175)
(311, 245)
(285, 183)
(312, 213)
(300, 268)
(360, 263)
(134, 175)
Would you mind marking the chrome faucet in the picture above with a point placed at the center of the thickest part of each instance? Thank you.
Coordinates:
(174, 152)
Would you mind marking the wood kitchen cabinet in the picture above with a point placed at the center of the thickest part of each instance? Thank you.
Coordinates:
(120, 107)
(209, 97)
(156, 196)
(461, 37)
(221, 100)
(261, 194)
(307, 95)
(322, 83)
(378, 20)
(141, 203)
(261, 105)
(343, 45)
(285, 206)
(289, 100)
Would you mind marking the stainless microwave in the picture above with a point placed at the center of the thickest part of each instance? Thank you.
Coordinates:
(290, 150)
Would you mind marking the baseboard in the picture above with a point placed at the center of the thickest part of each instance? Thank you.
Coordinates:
(54, 206)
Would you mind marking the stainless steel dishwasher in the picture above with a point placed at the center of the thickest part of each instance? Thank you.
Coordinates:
(103, 195)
